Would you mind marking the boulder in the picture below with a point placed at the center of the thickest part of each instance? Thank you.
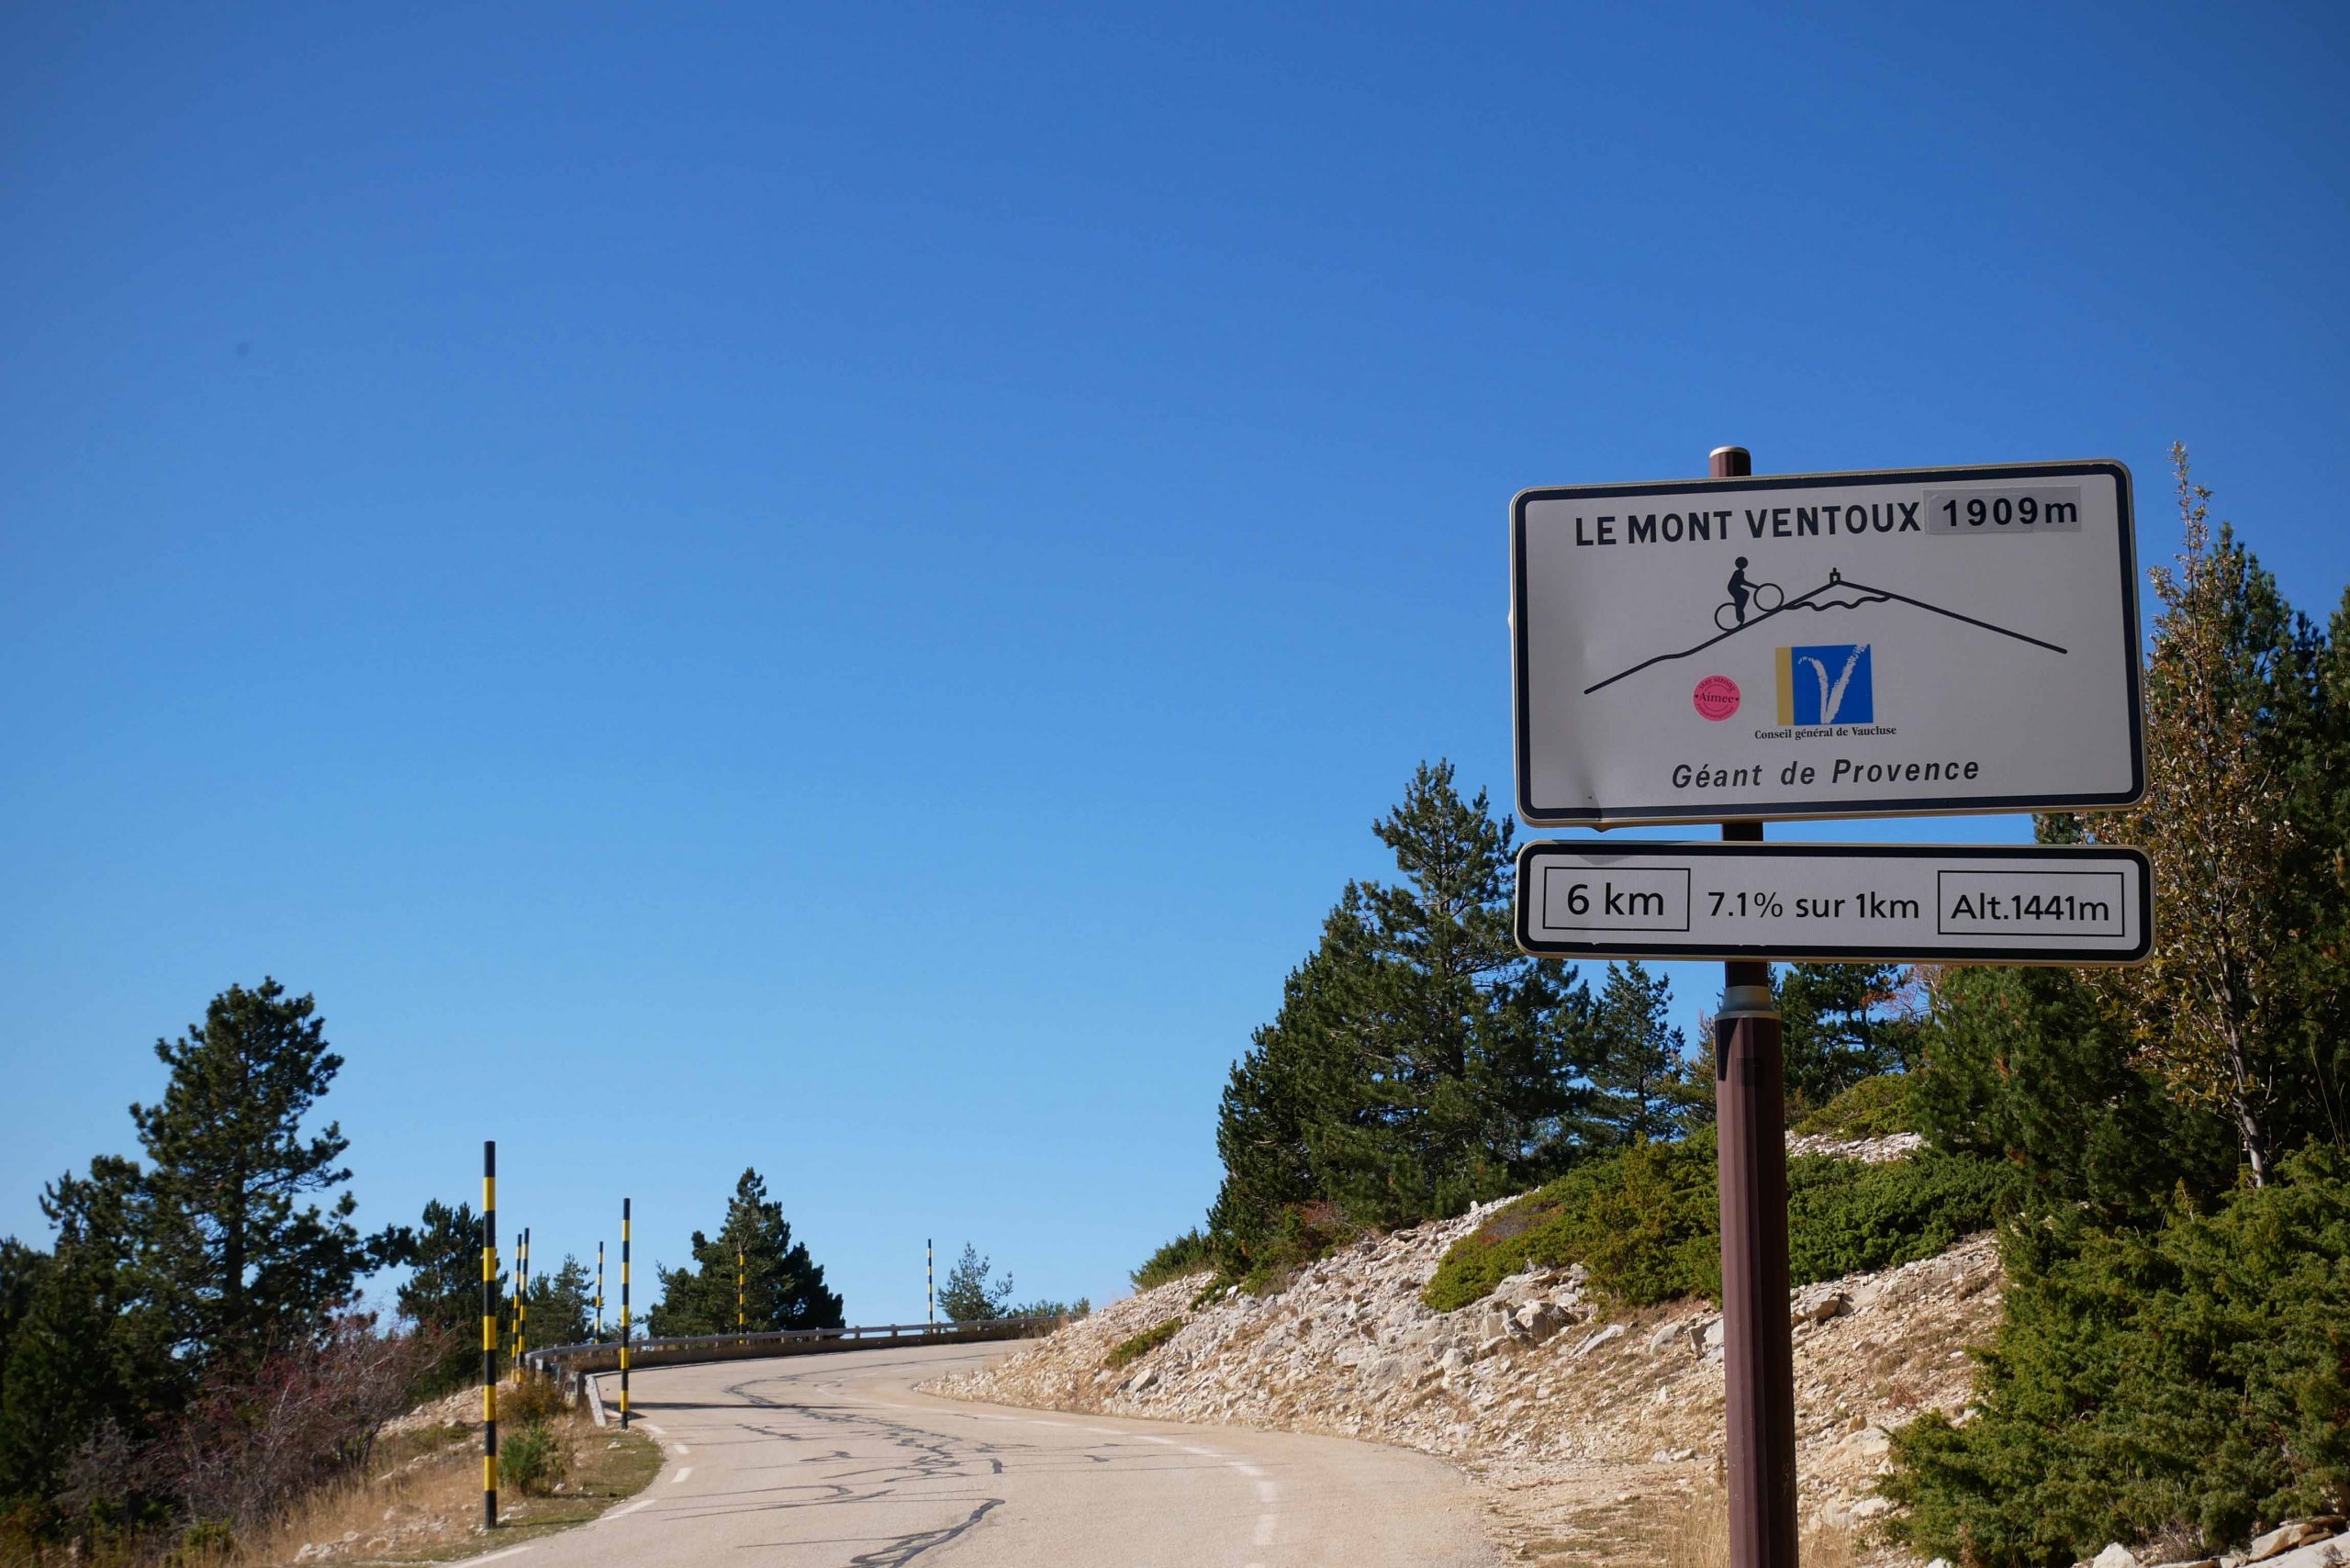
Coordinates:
(1613, 1331)
(1666, 1333)
(2331, 1552)
(2115, 1555)
(2290, 1534)
(1537, 1320)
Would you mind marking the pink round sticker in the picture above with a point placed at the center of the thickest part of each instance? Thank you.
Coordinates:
(1717, 696)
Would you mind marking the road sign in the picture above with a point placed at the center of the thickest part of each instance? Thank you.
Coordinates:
(1903, 643)
(1829, 903)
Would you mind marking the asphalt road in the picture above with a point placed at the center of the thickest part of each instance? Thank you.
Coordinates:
(836, 1460)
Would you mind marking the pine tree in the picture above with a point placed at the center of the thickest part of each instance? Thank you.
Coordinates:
(1419, 1062)
(442, 1292)
(560, 1304)
(249, 1264)
(1841, 1023)
(968, 1296)
(1639, 1085)
(784, 1287)
(2024, 1066)
(91, 1346)
(1300, 1071)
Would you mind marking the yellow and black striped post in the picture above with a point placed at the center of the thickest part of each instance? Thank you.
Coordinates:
(930, 1278)
(625, 1314)
(522, 1309)
(738, 1290)
(599, 1293)
(488, 1335)
(514, 1316)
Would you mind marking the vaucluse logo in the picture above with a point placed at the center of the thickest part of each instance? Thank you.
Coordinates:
(1827, 683)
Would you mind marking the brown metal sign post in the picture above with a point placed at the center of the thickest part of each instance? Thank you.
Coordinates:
(1750, 1086)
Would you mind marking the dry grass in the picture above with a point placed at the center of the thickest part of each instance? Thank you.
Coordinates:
(1698, 1537)
(421, 1502)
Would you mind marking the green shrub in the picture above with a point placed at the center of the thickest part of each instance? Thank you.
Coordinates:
(1646, 1222)
(1845, 1217)
(1642, 1221)
(534, 1459)
(1128, 1351)
(1299, 1235)
(1875, 1107)
(532, 1399)
(2190, 1379)
(1189, 1253)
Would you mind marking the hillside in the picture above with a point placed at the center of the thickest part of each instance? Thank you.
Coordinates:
(1586, 1428)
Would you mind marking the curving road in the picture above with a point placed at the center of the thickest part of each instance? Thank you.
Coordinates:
(836, 1460)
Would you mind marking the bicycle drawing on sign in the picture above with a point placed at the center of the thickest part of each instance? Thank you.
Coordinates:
(1764, 597)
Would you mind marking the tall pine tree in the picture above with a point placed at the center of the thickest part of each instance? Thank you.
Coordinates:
(784, 1287)
(1420, 1062)
(1640, 1087)
(250, 1262)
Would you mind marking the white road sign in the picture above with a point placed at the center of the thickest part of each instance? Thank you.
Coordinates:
(1827, 646)
(1826, 903)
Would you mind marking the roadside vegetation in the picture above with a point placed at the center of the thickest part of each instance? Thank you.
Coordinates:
(1127, 1351)
(185, 1375)
(2162, 1148)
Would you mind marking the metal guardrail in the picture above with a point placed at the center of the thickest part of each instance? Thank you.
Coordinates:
(570, 1362)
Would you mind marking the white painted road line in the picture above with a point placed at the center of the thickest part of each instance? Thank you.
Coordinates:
(681, 1475)
(617, 1513)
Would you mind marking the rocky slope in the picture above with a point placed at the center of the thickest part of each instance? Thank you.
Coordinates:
(1586, 1427)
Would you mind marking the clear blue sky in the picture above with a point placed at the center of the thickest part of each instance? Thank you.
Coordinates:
(836, 588)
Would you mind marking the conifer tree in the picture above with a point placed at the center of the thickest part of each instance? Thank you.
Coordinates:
(1841, 1023)
(246, 1262)
(91, 1346)
(784, 1287)
(1420, 1062)
(442, 1292)
(970, 1296)
(1300, 1071)
(1640, 1088)
(560, 1301)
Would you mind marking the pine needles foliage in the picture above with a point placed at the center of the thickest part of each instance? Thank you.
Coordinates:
(2189, 1381)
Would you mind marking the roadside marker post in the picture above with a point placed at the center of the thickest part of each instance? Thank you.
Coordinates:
(624, 1207)
(930, 1278)
(599, 1293)
(523, 1307)
(1861, 661)
(488, 1335)
(738, 1292)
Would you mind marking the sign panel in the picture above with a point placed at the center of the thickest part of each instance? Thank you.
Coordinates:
(1827, 646)
(1826, 903)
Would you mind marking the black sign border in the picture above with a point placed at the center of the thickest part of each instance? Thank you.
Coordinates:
(2104, 958)
(1770, 810)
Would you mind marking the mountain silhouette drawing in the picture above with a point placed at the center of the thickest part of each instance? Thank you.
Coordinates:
(1839, 592)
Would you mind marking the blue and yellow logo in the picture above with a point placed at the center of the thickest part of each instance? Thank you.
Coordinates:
(1829, 684)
